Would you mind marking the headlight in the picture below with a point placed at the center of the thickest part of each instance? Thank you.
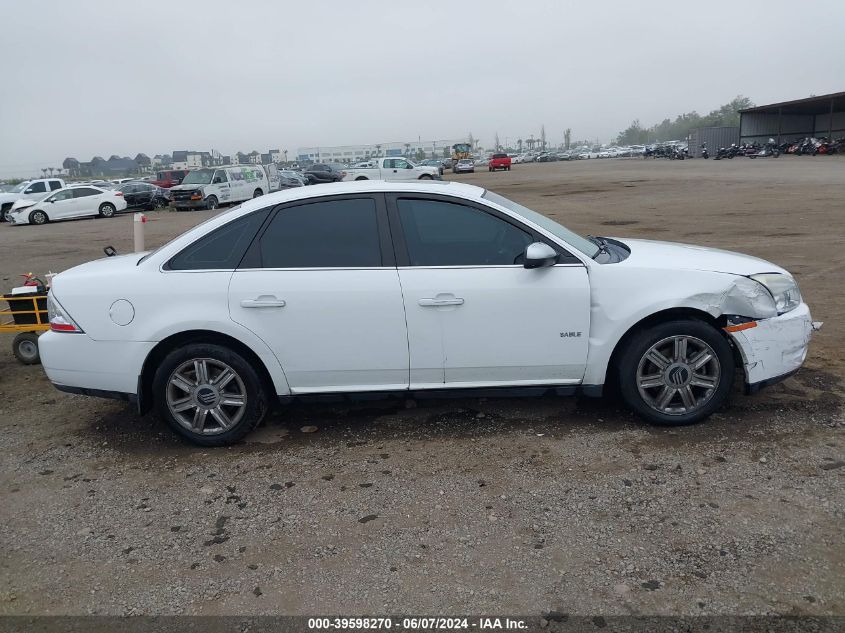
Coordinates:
(783, 289)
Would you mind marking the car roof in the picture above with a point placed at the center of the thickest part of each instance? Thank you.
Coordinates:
(457, 189)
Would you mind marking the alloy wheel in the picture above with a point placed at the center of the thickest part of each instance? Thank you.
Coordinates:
(206, 396)
(678, 375)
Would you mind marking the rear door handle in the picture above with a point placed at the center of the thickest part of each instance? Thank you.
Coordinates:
(264, 301)
(457, 301)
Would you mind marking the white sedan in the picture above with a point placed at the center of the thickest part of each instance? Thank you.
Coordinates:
(396, 288)
(68, 203)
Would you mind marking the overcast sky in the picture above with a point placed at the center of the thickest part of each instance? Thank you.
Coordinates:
(99, 78)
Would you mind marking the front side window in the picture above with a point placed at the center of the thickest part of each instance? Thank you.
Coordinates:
(219, 176)
(401, 164)
(441, 233)
(390, 163)
(62, 195)
(37, 187)
(561, 232)
(223, 248)
(325, 234)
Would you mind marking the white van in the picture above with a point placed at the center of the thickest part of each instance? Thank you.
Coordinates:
(210, 187)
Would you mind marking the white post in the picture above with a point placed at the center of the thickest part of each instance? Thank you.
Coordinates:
(138, 222)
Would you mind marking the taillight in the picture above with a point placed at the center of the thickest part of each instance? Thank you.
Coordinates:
(118, 193)
(60, 321)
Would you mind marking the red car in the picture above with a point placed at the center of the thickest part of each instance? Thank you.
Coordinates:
(500, 161)
(169, 178)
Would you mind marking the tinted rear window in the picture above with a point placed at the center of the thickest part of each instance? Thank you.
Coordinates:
(223, 248)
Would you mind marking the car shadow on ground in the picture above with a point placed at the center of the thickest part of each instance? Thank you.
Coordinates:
(299, 425)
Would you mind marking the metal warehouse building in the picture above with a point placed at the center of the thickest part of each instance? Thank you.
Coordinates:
(714, 137)
(793, 120)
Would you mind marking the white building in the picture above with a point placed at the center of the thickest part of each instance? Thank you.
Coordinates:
(355, 153)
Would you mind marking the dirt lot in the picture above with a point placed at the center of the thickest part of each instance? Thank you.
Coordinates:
(456, 506)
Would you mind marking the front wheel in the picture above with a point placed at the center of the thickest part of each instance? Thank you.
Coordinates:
(211, 203)
(676, 373)
(425, 177)
(6, 215)
(107, 210)
(209, 394)
(38, 217)
(257, 193)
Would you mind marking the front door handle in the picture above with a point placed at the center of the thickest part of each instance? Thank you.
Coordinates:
(264, 301)
(457, 301)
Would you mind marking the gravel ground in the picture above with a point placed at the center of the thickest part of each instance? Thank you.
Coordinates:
(455, 506)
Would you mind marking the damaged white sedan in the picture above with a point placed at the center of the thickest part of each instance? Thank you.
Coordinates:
(399, 288)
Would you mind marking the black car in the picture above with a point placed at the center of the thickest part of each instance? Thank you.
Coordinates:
(320, 172)
(289, 179)
(144, 195)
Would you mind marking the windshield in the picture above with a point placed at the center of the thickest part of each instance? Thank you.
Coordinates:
(558, 230)
(19, 188)
(198, 177)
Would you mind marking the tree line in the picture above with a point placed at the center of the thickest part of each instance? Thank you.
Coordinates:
(668, 130)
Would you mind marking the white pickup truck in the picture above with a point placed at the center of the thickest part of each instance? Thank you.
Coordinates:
(27, 190)
(392, 169)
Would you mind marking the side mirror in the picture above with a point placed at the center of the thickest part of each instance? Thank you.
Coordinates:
(540, 255)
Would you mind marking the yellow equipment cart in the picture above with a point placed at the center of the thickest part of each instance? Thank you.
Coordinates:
(27, 315)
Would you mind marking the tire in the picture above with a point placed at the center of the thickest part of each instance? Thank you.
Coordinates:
(211, 203)
(257, 193)
(5, 214)
(425, 177)
(107, 210)
(25, 348)
(362, 178)
(673, 375)
(38, 217)
(245, 386)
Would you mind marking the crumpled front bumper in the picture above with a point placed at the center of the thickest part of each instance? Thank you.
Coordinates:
(774, 348)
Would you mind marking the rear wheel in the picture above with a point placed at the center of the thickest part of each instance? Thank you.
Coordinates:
(362, 178)
(209, 394)
(107, 210)
(257, 193)
(676, 373)
(25, 348)
(38, 217)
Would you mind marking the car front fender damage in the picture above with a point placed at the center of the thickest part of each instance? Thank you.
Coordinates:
(771, 346)
(745, 297)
